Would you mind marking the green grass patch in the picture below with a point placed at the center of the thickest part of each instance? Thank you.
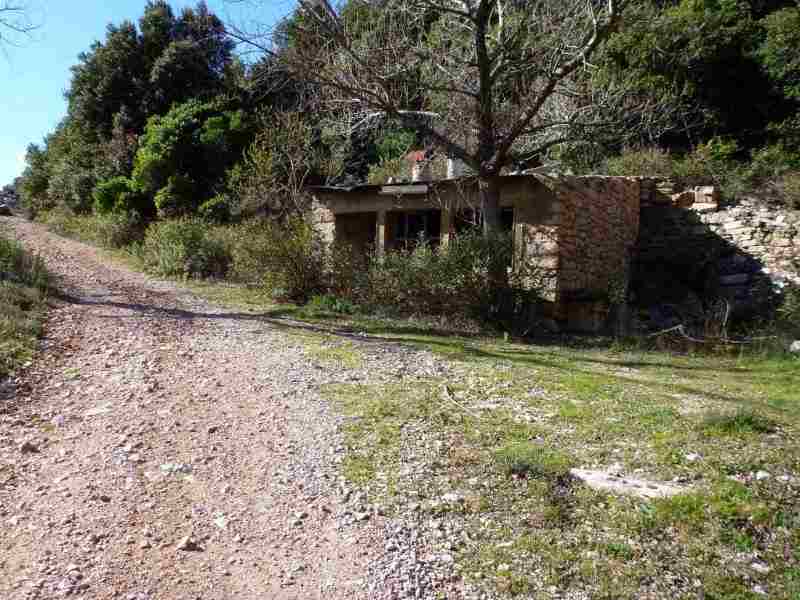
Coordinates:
(530, 459)
(742, 422)
(333, 352)
(23, 288)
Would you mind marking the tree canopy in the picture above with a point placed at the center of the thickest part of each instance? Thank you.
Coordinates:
(164, 118)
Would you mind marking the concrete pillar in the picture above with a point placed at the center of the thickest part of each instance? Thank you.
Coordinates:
(380, 233)
(446, 225)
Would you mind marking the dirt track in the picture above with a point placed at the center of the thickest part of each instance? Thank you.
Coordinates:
(150, 417)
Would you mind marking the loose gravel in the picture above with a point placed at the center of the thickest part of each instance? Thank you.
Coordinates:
(160, 447)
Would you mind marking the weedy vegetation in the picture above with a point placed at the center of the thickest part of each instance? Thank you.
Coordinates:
(23, 289)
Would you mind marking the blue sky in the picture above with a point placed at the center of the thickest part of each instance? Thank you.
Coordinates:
(33, 77)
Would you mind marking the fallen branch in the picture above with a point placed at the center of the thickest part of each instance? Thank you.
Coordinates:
(448, 395)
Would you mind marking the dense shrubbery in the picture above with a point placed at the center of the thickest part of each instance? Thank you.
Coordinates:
(457, 278)
(183, 248)
(286, 258)
(773, 171)
(113, 230)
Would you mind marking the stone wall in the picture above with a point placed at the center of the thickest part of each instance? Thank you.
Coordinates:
(691, 251)
(599, 224)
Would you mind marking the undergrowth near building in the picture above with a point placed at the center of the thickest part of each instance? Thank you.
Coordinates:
(23, 287)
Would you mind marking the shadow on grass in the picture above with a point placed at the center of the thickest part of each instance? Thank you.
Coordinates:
(465, 346)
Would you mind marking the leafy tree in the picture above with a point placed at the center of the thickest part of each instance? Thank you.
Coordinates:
(285, 156)
(35, 180)
(704, 58)
(779, 50)
(157, 26)
(107, 80)
(184, 153)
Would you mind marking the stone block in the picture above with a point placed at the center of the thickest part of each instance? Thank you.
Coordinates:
(683, 199)
(707, 194)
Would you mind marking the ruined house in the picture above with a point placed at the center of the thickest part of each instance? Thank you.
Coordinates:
(583, 229)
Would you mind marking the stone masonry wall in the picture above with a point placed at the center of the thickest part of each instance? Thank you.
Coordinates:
(694, 252)
(324, 221)
(599, 224)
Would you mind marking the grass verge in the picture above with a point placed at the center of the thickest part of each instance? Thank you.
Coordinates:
(500, 434)
(23, 286)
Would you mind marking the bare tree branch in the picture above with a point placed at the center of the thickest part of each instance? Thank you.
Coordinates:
(16, 23)
(507, 79)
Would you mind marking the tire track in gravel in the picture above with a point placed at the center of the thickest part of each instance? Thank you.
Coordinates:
(151, 420)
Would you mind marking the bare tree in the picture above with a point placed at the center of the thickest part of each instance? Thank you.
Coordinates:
(490, 82)
(16, 22)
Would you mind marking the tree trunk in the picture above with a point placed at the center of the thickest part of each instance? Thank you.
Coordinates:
(489, 190)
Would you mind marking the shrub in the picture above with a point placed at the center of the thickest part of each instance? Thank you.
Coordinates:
(176, 198)
(183, 248)
(109, 194)
(333, 304)
(17, 266)
(712, 163)
(533, 460)
(286, 258)
(398, 169)
(788, 188)
(217, 209)
(112, 230)
(116, 230)
(646, 162)
(742, 422)
(118, 195)
(64, 222)
(23, 283)
(294, 267)
(459, 278)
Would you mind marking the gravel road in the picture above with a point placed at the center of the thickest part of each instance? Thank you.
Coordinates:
(159, 447)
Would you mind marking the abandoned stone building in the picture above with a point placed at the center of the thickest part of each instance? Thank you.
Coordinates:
(601, 238)
(582, 229)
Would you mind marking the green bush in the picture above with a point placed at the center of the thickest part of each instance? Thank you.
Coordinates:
(712, 163)
(64, 222)
(177, 198)
(118, 195)
(112, 230)
(17, 266)
(788, 313)
(183, 248)
(217, 209)
(286, 258)
(460, 278)
(645, 162)
(332, 304)
(532, 460)
(788, 188)
(295, 265)
(248, 249)
(116, 230)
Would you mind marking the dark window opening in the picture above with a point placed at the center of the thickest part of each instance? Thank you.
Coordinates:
(410, 227)
(467, 220)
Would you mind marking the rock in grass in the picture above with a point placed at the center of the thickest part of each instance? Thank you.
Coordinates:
(795, 347)
(610, 481)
